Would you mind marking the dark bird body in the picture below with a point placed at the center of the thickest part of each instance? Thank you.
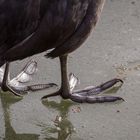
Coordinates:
(29, 27)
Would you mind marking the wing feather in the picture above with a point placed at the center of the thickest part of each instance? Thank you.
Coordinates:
(60, 20)
(18, 20)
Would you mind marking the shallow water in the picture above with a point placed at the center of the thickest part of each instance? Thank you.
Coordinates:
(112, 50)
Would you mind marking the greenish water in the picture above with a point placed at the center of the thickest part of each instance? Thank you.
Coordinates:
(63, 128)
(10, 133)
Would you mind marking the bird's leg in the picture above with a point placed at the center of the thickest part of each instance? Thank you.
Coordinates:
(5, 77)
(5, 86)
(65, 88)
(87, 95)
(64, 91)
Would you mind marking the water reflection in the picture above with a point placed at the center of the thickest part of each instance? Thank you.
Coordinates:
(10, 134)
(63, 127)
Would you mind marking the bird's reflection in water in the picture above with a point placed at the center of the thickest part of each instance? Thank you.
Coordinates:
(10, 134)
(62, 129)
(62, 125)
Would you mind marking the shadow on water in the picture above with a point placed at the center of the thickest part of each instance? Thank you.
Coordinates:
(10, 134)
(63, 127)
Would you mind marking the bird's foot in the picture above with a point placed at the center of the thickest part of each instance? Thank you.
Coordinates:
(89, 94)
(18, 84)
(6, 87)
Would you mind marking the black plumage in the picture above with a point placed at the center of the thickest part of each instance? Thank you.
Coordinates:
(29, 27)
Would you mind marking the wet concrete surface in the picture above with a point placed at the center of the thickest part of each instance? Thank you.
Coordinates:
(112, 50)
